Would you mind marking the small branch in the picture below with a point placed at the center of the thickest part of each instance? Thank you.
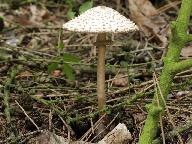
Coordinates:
(6, 97)
(93, 114)
(182, 65)
(8, 82)
(189, 37)
(175, 131)
(27, 115)
(8, 140)
(181, 129)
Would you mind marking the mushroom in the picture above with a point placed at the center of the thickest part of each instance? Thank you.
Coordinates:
(101, 20)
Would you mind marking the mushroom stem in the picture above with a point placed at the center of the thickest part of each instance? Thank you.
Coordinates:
(101, 43)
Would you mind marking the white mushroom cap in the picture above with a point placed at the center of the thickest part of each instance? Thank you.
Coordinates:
(100, 19)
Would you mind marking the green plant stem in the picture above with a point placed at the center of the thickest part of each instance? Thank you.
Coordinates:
(178, 39)
(182, 65)
(189, 37)
(14, 71)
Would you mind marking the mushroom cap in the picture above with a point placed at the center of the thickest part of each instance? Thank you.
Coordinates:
(100, 19)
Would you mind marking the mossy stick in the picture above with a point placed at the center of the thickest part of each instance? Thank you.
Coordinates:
(13, 72)
(172, 66)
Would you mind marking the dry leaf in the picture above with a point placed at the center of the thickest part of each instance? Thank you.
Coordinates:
(20, 16)
(37, 14)
(56, 73)
(31, 15)
(186, 51)
(147, 18)
(24, 74)
(120, 80)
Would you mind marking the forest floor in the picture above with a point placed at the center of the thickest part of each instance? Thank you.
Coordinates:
(48, 75)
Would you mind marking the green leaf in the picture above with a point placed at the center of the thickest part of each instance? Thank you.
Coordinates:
(1, 23)
(69, 2)
(71, 14)
(61, 45)
(68, 71)
(52, 67)
(70, 58)
(85, 6)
